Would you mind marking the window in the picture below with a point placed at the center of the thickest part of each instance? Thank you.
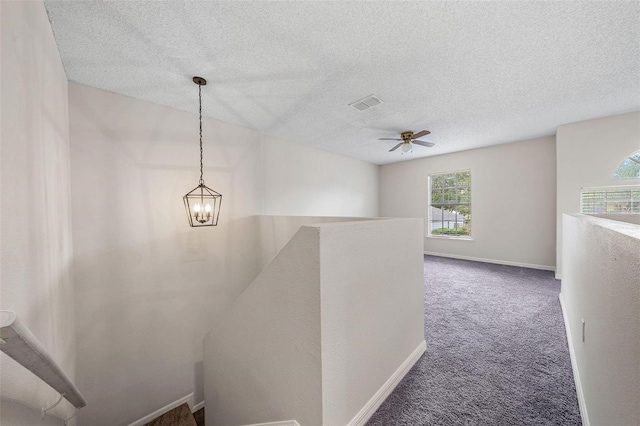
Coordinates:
(629, 168)
(610, 200)
(450, 204)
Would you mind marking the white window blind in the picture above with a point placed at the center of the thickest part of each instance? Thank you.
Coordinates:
(610, 200)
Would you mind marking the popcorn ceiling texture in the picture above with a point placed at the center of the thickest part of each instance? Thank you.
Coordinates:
(474, 74)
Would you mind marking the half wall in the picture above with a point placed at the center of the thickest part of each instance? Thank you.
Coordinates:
(320, 332)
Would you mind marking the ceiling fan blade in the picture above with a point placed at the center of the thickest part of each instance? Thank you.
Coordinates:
(423, 143)
(388, 139)
(396, 147)
(420, 134)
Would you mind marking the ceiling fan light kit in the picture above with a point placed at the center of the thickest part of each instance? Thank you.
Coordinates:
(408, 139)
(202, 203)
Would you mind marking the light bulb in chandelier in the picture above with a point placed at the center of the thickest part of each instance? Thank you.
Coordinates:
(202, 203)
(406, 147)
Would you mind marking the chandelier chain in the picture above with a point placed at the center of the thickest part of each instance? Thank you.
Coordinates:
(200, 111)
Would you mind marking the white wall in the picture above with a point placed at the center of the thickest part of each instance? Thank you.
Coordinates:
(372, 276)
(513, 200)
(17, 414)
(588, 152)
(35, 243)
(263, 359)
(322, 328)
(601, 284)
(148, 286)
(276, 231)
(304, 181)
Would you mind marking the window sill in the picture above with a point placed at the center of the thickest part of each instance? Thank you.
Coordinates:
(437, 237)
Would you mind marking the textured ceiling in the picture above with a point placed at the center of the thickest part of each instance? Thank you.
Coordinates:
(473, 73)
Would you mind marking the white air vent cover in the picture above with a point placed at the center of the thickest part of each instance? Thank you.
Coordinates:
(366, 103)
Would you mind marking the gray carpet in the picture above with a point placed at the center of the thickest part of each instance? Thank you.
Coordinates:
(496, 351)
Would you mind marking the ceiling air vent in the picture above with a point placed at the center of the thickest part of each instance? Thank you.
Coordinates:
(366, 103)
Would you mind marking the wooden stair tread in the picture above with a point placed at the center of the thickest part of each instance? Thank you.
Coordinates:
(179, 416)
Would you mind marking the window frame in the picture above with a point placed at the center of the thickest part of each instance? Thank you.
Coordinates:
(428, 234)
(633, 157)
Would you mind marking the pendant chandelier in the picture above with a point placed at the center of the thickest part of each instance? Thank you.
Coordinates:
(202, 203)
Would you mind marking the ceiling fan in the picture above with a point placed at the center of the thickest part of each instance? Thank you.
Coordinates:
(409, 138)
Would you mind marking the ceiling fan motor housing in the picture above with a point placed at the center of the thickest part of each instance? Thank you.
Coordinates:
(406, 136)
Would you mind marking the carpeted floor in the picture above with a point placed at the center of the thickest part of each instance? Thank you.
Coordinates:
(496, 351)
(179, 416)
(199, 417)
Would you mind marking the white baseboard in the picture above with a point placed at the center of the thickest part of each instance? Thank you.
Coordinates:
(558, 276)
(146, 419)
(498, 262)
(282, 423)
(197, 406)
(574, 366)
(378, 398)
